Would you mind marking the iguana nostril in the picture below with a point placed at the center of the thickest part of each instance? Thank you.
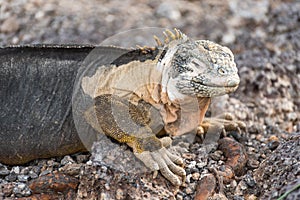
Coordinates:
(234, 81)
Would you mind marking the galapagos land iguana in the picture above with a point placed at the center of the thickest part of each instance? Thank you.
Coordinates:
(167, 80)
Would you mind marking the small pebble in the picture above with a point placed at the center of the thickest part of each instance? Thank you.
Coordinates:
(10, 25)
(168, 10)
(200, 165)
(32, 175)
(252, 197)
(24, 171)
(16, 169)
(179, 197)
(107, 187)
(23, 178)
(192, 164)
(82, 158)
(45, 172)
(263, 156)
(7, 189)
(188, 178)
(71, 169)
(11, 177)
(244, 186)
(233, 184)
(216, 155)
(52, 163)
(3, 170)
(253, 163)
(89, 162)
(196, 176)
(273, 145)
(189, 190)
(21, 189)
(273, 138)
(36, 169)
(119, 194)
(292, 116)
(249, 180)
(67, 160)
(236, 197)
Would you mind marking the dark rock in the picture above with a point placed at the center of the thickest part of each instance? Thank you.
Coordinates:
(273, 145)
(249, 180)
(280, 168)
(11, 177)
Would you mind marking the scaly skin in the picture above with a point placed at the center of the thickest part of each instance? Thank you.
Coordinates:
(179, 71)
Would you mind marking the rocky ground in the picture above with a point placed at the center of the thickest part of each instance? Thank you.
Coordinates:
(265, 38)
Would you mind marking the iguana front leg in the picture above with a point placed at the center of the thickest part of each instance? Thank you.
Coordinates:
(210, 129)
(127, 123)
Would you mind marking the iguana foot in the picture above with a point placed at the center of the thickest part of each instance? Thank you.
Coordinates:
(220, 124)
(164, 161)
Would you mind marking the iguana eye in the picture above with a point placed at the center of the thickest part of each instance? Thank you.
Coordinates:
(221, 71)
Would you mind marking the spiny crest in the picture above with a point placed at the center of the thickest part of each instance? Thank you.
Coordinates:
(170, 36)
(145, 49)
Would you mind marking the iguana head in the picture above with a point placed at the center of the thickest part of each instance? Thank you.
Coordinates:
(200, 68)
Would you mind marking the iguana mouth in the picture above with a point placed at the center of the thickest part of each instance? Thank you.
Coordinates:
(206, 90)
(198, 82)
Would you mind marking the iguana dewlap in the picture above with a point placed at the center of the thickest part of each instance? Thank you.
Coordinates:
(178, 80)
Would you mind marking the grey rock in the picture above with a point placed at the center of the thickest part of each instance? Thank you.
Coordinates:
(82, 158)
(248, 9)
(67, 160)
(10, 25)
(23, 178)
(11, 177)
(36, 169)
(71, 169)
(3, 170)
(16, 169)
(168, 10)
(45, 172)
(21, 189)
(32, 175)
(249, 180)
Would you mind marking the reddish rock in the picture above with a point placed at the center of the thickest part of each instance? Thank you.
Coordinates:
(235, 153)
(53, 183)
(205, 187)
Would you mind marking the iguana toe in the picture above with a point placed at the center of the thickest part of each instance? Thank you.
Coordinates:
(165, 162)
(174, 158)
(166, 172)
(222, 123)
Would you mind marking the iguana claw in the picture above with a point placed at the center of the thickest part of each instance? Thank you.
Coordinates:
(166, 162)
